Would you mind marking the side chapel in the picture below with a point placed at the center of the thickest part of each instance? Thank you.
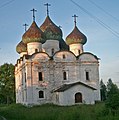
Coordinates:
(51, 70)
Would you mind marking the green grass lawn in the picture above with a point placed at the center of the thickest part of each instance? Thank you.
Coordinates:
(53, 112)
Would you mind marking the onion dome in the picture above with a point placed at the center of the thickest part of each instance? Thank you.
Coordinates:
(21, 47)
(33, 34)
(51, 31)
(63, 45)
(76, 37)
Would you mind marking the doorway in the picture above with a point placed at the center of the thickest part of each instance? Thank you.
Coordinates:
(78, 97)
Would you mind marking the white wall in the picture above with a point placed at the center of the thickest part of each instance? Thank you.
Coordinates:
(49, 45)
(75, 48)
(68, 97)
(53, 75)
(31, 47)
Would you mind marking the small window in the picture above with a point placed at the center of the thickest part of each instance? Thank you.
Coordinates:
(64, 56)
(87, 75)
(40, 76)
(25, 77)
(41, 94)
(79, 52)
(64, 75)
(36, 50)
(52, 51)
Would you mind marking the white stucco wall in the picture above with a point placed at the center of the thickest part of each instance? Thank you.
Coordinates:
(89, 63)
(23, 53)
(76, 48)
(53, 75)
(68, 97)
(31, 47)
(69, 57)
(49, 45)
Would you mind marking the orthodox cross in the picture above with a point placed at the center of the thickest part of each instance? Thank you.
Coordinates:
(33, 10)
(47, 5)
(75, 19)
(25, 26)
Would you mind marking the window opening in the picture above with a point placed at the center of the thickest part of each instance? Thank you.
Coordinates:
(41, 94)
(64, 75)
(78, 98)
(40, 76)
(64, 56)
(79, 52)
(87, 75)
(52, 51)
(36, 50)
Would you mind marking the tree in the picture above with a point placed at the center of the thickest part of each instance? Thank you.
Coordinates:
(109, 84)
(7, 83)
(111, 88)
(112, 101)
(103, 91)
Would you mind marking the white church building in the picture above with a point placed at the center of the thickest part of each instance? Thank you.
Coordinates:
(51, 70)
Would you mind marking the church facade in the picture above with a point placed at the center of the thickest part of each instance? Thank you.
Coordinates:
(51, 70)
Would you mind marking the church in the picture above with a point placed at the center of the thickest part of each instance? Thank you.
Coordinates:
(51, 70)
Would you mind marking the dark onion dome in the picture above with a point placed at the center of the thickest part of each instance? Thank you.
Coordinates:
(76, 37)
(21, 47)
(63, 45)
(51, 31)
(33, 34)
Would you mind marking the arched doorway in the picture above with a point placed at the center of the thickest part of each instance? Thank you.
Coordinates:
(78, 97)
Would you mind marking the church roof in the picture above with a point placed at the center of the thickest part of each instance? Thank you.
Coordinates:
(90, 54)
(67, 86)
(51, 31)
(33, 34)
(21, 47)
(63, 45)
(76, 37)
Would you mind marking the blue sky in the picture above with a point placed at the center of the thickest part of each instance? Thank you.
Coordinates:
(101, 42)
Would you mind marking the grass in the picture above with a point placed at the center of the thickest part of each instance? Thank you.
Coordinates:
(53, 112)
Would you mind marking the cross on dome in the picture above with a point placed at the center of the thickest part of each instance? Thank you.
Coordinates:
(47, 5)
(25, 26)
(75, 16)
(33, 10)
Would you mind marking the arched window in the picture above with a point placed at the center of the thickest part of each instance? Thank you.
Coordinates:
(36, 50)
(52, 51)
(78, 97)
(40, 76)
(79, 52)
(64, 56)
(25, 77)
(87, 75)
(41, 94)
(64, 75)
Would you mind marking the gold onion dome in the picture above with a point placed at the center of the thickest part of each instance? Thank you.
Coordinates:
(33, 34)
(51, 31)
(76, 37)
(21, 47)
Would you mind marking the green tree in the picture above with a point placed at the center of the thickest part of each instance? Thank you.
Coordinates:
(112, 101)
(7, 83)
(103, 91)
(109, 84)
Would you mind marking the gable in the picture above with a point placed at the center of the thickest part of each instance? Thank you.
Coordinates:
(64, 56)
(86, 56)
(68, 86)
(40, 56)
